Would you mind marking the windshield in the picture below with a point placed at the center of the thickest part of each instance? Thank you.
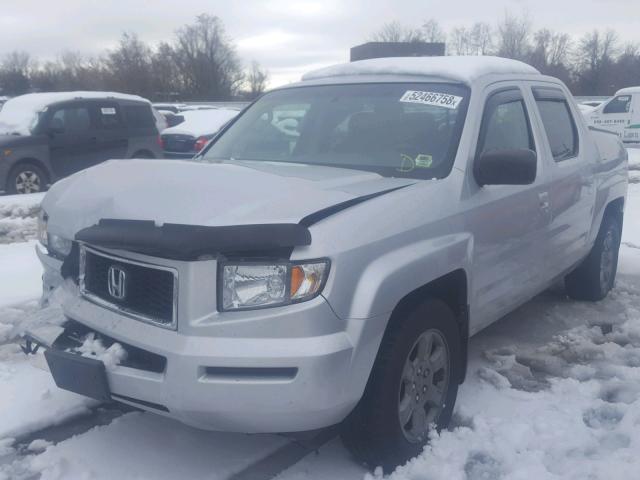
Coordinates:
(395, 129)
(17, 118)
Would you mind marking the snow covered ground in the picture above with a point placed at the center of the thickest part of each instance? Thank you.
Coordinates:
(553, 392)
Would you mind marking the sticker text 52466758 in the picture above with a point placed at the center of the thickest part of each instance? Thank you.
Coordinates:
(431, 98)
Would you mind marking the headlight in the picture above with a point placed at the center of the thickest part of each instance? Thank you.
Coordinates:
(246, 285)
(56, 245)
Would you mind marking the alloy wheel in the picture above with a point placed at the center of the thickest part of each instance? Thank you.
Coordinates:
(424, 385)
(28, 181)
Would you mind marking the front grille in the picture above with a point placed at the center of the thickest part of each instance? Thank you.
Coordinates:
(178, 143)
(147, 292)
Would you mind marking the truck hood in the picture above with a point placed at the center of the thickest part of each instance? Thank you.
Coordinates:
(203, 194)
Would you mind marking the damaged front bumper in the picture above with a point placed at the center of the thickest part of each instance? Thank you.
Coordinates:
(284, 369)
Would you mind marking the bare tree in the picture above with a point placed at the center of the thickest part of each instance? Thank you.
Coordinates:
(513, 37)
(207, 60)
(256, 80)
(433, 32)
(549, 49)
(481, 38)
(167, 81)
(129, 66)
(460, 41)
(595, 58)
(15, 70)
(397, 32)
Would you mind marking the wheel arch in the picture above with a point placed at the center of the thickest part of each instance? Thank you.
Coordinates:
(616, 208)
(452, 289)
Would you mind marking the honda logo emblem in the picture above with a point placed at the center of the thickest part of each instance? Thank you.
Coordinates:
(117, 282)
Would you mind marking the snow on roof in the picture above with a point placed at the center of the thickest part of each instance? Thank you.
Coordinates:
(202, 122)
(464, 69)
(628, 91)
(19, 113)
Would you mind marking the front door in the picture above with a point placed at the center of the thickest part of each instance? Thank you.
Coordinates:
(508, 222)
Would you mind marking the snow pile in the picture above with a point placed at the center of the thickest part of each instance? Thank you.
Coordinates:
(92, 347)
(19, 114)
(19, 217)
(198, 123)
(568, 409)
(465, 69)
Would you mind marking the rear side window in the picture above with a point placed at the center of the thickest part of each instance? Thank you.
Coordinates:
(138, 116)
(109, 116)
(505, 125)
(620, 104)
(560, 129)
(558, 122)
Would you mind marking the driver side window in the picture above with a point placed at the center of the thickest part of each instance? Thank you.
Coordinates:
(505, 125)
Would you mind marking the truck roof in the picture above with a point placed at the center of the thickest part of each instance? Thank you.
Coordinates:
(464, 69)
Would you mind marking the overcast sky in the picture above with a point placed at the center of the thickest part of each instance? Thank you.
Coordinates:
(286, 37)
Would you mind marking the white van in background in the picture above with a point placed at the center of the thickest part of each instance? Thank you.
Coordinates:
(621, 115)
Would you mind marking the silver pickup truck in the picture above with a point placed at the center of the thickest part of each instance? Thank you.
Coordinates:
(327, 256)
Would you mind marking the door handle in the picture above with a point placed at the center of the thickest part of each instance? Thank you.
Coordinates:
(543, 197)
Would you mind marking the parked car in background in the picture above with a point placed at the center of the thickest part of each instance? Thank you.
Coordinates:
(621, 115)
(171, 118)
(160, 119)
(298, 275)
(170, 107)
(199, 126)
(48, 136)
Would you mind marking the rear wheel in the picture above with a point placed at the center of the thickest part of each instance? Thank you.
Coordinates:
(412, 388)
(27, 178)
(595, 276)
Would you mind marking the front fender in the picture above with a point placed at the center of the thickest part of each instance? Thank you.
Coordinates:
(391, 276)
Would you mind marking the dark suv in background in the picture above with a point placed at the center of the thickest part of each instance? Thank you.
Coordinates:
(48, 136)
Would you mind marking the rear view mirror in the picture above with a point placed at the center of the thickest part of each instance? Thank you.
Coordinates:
(506, 167)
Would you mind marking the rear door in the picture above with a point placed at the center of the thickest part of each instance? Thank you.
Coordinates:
(111, 132)
(72, 137)
(509, 222)
(571, 181)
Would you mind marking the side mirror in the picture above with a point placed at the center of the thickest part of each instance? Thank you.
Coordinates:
(506, 167)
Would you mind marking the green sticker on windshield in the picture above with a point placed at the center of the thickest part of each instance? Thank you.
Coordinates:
(423, 161)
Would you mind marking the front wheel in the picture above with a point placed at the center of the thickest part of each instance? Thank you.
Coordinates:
(26, 178)
(412, 388)
(594, 277)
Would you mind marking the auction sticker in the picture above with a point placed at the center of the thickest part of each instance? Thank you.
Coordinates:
(431, 98)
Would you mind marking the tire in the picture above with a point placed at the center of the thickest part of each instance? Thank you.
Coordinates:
(595, 276)
(27, 177)
(374, 432)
